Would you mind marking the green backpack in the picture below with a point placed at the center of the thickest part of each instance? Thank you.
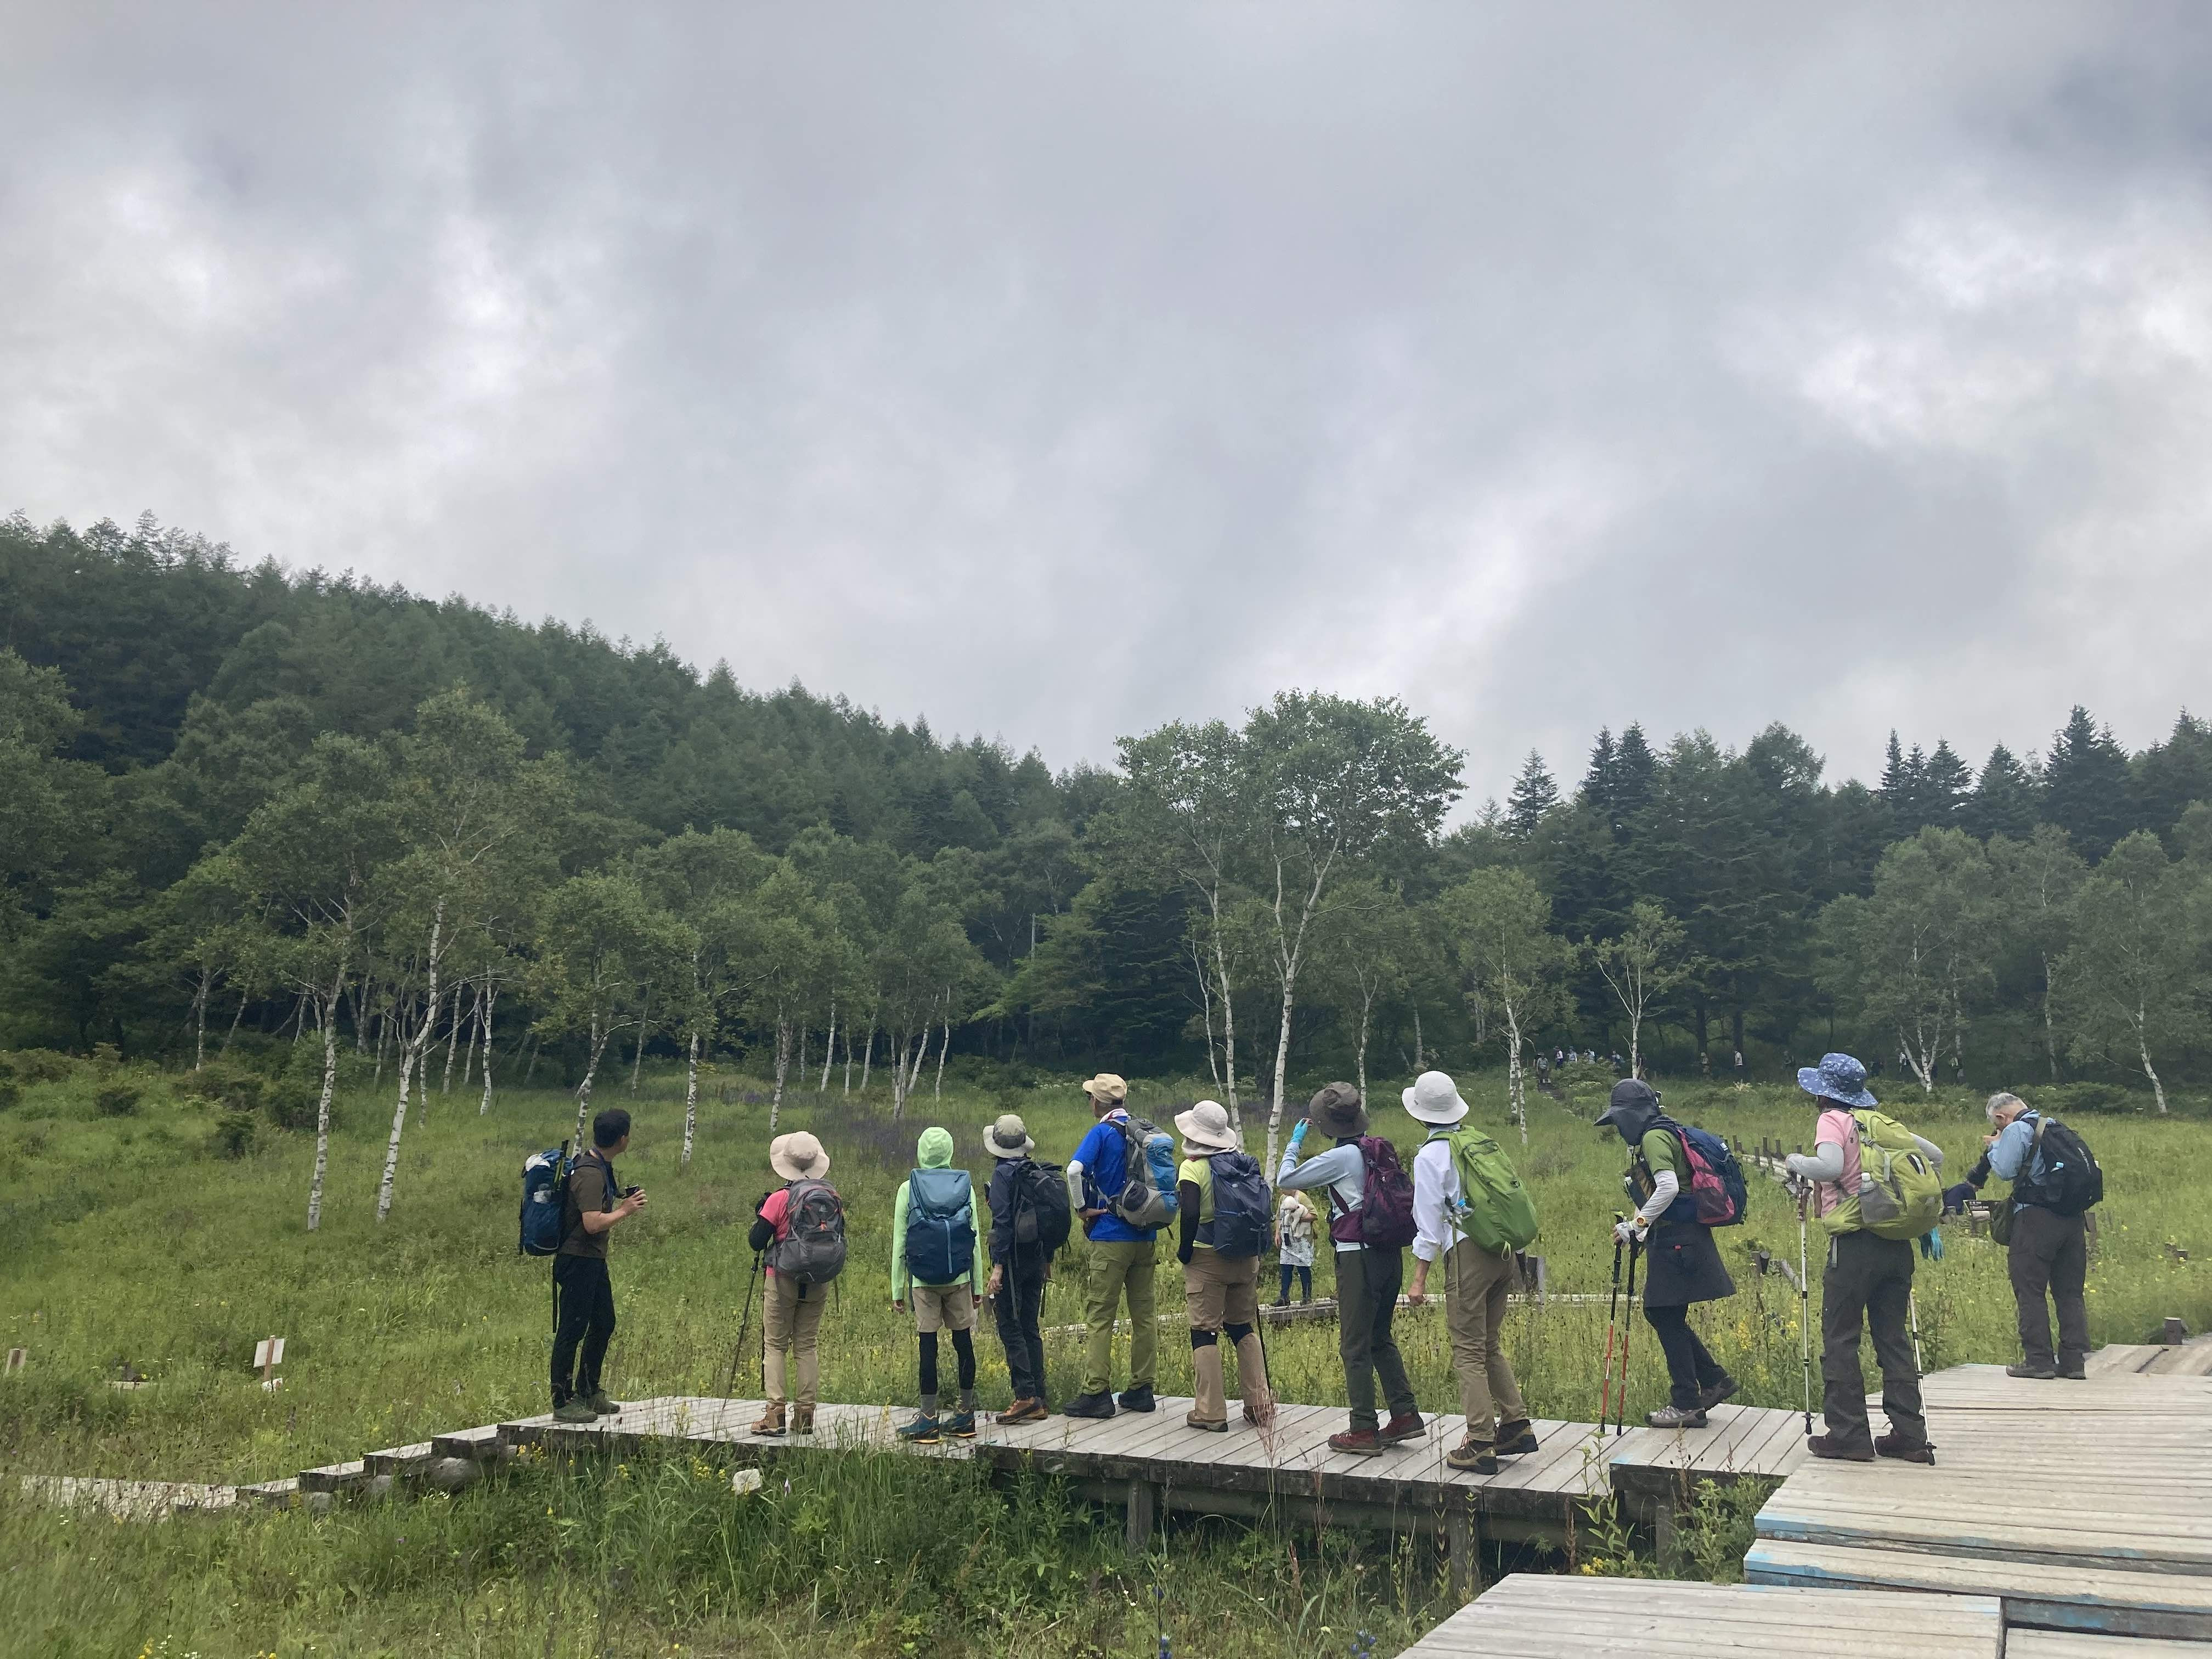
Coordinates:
(1900, 1195)
(1495, 1209)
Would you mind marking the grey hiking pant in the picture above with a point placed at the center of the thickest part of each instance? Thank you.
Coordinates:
(2051, 1252)
(1366, 1303)
(1868, 1282)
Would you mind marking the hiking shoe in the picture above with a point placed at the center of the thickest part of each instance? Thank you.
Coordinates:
(1677, 1417)
(1905, 1451)
(961, 1425)
(2041, 1370)
(1090, 1405)
(1194, 1420)
(802, 1420)
(1361, 1443)
(1405, 1426)
(576, 1411)
(1025, 1411)
(922, 1431)
(2076, 1372)
(771, 1420)
(1846, 1451)
(1710, 1397)
(1477, 1457)
(603, 1406)
(1137, 1397)
(1515, 1437)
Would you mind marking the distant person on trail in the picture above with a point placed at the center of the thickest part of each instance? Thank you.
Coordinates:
(1868, 1281)
(1223, 1220)
(1120, 1258)
(936, 1266)
(1739, 1066)
(1477, 1282)
(1021, 1268)
(1367, 1276)
(791, 1307)
(596, 1206)
(2049, 1249)
(1294, 1246)
(1681, 1264)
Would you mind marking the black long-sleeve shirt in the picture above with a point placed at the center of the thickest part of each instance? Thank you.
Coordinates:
(1002, 1195)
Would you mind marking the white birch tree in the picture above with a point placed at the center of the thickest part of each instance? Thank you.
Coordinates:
(1499, 924)
(2137, 965)
(1640, 966)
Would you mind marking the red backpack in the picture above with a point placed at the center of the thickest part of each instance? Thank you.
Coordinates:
(1384, 1219)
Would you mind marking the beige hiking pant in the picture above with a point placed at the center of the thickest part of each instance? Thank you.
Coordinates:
(1475, 1287)
(791, 1324)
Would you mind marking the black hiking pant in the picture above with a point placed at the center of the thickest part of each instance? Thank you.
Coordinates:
(2051, 1252)
(1868, 1282)
(1690, 1369)
(1366, 1304)
(1018, 1309)
(586, 1298)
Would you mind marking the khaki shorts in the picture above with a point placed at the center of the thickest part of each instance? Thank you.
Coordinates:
(946, 1308)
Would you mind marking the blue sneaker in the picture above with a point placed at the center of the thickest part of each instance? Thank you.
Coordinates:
(922, 1431)
(961, 1425)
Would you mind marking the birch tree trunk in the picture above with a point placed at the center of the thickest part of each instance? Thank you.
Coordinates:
(1282, 1072)
(2142, 1047)
(483, 1020)
(199, 1017)
(1205, 976)
(938, 1093)
(411, 1060)
(867, 1056)
(637, 1054)
(690, 1100)
(452, 1041)
(1366, 1008)
(329, 1020)
(1420, 1054)
(829, 1050)
(234, 1018)
(782, 1067)
(2050, 1037)
(1228, 1020)
(848, 1062)
(1517, 1091)
(600, 1037)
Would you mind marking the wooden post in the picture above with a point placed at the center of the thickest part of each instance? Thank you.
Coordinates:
(1137, 1530)
(1463, 1534)
(1663, 1528)
(268, 1354)
(14, 1361)
(2176, 1333)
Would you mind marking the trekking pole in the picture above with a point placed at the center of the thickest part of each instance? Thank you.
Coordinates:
(1612, 1325)
(1912, 1307)
(744, 1323)
(1805, 1309)
(1620, 1422)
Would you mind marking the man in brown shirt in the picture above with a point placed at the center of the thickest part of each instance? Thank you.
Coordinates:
(583, 1294)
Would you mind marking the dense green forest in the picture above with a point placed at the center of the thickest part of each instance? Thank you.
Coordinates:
(337, 820)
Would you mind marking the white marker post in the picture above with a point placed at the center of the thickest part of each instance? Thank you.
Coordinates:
(16, 1358)
(268, 1354)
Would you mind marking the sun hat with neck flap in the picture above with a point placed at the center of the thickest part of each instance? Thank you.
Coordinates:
(1008, 1137)
(797, 1157)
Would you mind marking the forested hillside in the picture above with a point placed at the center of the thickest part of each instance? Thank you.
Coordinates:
(273, 805)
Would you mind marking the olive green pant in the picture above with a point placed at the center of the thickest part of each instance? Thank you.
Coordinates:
(1113, 1268)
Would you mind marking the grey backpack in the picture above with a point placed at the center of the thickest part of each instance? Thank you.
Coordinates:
(812, 1249)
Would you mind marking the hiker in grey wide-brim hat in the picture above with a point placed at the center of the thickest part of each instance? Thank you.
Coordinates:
(1335, 1111)
(1008, 1138)
(1434, 1098)
(1204, 1129)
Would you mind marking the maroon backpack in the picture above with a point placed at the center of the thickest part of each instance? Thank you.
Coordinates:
(1384, 1219)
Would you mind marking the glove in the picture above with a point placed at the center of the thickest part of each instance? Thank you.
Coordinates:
(1299, 1133)
(1626, 1231)
(1954, 1198)
(1931, 1245)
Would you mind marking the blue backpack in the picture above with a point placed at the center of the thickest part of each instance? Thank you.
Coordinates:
(1709, 1149)
(1243, 1209)
(544, 1201)
(940, 1226)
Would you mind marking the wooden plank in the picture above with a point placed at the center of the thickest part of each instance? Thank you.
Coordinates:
(2052, 1595)
(2075, 1644)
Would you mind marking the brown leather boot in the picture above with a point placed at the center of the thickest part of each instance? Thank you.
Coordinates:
(771, 1420)
(802, 1420)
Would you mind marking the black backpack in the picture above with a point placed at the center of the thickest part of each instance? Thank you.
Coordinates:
(2071, 1181)
(1243, 1208)
(1042, 1217)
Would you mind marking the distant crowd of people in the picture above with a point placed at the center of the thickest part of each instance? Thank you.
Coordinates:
(1872, 1185)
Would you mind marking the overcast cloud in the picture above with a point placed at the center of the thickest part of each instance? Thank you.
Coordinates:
(1057, 371)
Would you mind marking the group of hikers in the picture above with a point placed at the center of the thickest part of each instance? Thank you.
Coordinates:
(1872, 1185)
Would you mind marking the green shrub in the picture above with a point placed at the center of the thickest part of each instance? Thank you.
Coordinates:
(229, 1087)
(10, 1093)
(118, 1099)
(36, 1066)
(233, 1134)
(2063, 1097)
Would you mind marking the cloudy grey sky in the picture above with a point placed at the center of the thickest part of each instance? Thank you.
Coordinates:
(1055, 371)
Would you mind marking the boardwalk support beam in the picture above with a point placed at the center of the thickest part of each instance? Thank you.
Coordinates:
(1137, 1529)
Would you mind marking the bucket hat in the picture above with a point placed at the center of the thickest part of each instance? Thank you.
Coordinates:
(1434, 1098)
(1205, 1128)
(1838, 1077)
(797, 1157)
(1107, 1086)
(1336, 1110)
(1632, 1108)
(1008, 1138)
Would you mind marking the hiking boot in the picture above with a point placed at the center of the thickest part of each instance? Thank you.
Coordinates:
(1090, 1405)
(577, 1410)
(1677, 1417)
(1477, 1457)
(922, 1431)
(1710, 1397)
(771, 1420)
(1025, 1411)
(2076, 1372)
(1893, 1444)
(1844, 1451)
(802, 1420)
(1405, 1426)
(603, 1406)
(1192, 1419)
(1361, 1443)
(2041, 1370)
(961, 1425)
(1515, 1437)
(1137, 1397)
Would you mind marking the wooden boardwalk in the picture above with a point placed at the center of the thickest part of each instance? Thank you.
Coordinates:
(2084, 1506)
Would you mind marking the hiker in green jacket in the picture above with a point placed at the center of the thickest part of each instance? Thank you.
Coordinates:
(936, 1266)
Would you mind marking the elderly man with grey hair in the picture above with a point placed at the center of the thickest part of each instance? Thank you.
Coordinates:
(2050, 1250)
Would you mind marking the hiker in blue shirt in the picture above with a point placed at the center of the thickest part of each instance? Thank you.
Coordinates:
(2048, 1252)
(1119, 1262)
